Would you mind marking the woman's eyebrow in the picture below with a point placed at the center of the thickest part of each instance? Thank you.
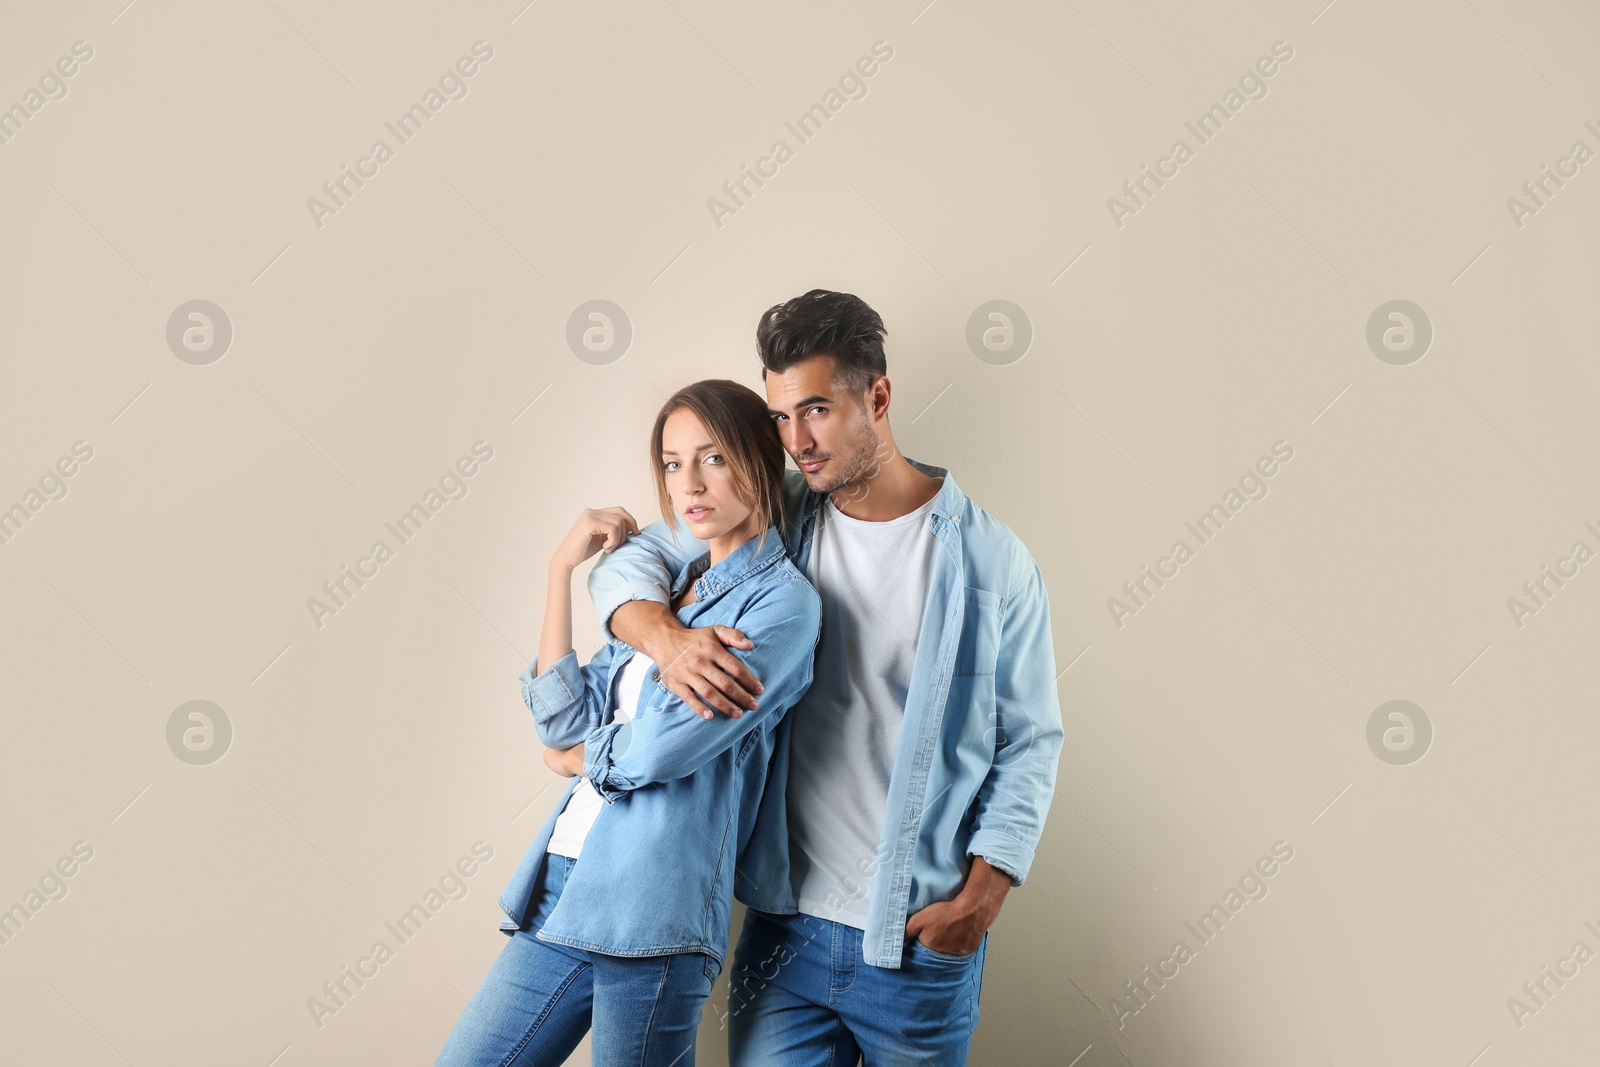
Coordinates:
(698, 448)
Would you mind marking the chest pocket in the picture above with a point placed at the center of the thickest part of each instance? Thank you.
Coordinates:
(979, 649)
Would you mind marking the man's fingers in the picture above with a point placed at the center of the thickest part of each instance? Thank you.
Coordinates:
(690, 700)
(717, 697)
(727, 697)
(716, 678)
(740, 683)
(740, 671)
(729, 636)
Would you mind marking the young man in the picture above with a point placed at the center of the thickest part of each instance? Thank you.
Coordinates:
(909, 786)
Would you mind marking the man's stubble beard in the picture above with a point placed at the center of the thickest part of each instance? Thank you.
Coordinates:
(859, 460)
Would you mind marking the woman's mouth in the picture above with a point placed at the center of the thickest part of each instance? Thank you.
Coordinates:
(699, 511)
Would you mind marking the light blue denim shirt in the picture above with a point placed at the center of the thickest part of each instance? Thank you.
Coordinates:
(976, 764)
(682, 793)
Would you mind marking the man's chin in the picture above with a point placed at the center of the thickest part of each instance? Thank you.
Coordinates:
(818, 480)
(823, 485)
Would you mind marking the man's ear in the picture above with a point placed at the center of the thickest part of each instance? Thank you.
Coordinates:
(879, 398)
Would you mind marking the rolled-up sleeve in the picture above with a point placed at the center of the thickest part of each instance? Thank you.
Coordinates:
(1015, 796)
(641, 568)
(566, 700)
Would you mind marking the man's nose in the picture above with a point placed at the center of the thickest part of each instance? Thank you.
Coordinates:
(798, 439)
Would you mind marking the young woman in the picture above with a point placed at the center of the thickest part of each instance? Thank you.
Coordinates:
(618, 914)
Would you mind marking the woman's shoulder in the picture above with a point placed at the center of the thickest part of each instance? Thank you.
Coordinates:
(783, 585)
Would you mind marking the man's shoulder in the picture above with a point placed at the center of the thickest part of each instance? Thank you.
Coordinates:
(977, 523)
(993, 554)
(980, 531)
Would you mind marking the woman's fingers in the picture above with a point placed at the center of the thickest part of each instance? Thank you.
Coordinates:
(630, 524)
(613, 526)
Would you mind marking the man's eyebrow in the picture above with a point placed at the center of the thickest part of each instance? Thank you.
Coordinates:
(807, 402)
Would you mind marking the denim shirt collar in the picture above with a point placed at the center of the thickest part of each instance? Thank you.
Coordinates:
(735, 567)
(948, 502)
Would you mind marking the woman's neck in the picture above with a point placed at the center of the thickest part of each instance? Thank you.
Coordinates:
(723, 545)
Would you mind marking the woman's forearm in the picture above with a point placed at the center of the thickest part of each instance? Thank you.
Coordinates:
(555, 637)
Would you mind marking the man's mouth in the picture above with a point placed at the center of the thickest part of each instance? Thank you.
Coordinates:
(809, 465)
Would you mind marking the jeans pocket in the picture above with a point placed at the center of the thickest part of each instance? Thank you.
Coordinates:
(713, 968)
(918, 948)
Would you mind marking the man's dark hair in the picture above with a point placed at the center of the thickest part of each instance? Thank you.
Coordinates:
(823, 323)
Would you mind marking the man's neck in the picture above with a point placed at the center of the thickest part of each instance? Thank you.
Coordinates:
(897, 488)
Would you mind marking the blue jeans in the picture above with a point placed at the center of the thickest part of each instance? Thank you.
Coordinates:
(540, 998)
(801, 996)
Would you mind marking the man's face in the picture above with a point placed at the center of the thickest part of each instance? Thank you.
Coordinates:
(827, 431)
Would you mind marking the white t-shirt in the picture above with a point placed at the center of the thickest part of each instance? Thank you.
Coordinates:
(573, 824)
(873, 579)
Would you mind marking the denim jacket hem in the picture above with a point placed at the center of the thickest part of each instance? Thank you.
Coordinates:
(652, 950)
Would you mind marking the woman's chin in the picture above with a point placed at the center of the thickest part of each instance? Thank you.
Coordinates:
(712, 528)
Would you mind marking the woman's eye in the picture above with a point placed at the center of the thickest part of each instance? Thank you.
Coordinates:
(713, 456)
(669, 464)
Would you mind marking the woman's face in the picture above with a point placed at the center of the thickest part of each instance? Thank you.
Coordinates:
(699, 480)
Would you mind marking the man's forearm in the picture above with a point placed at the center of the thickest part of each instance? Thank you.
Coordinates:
(641, 568)
(645, 625)
(985, 889)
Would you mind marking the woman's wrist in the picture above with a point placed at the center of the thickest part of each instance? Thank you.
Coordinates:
(555, 639)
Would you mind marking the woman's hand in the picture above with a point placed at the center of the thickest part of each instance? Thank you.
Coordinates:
(597, 529)
(567, 762)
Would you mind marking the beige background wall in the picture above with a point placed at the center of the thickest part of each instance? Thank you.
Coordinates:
(1229, 312)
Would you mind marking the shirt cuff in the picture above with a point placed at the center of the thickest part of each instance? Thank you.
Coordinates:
(558, 689)
(1003, 852)
(624, 593)
(603, 745)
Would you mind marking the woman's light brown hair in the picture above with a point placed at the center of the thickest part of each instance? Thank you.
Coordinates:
(741, 428)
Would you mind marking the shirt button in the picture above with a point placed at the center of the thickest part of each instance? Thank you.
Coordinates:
(655, 676)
